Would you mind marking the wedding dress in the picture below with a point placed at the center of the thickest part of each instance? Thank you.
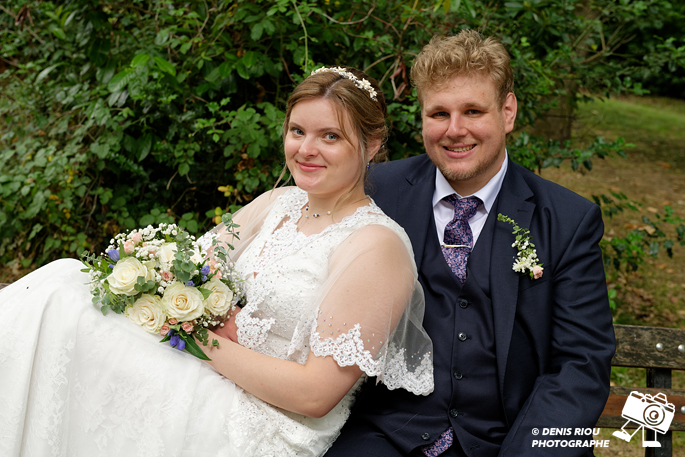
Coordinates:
(76, 383)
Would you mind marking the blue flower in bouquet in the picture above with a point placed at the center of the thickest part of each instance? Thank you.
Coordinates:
(113, 254)
(190, 284)
(175, 341)
(204, 271)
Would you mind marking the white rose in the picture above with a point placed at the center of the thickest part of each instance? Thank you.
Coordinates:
(167, 254)
(125, 274)
(219, 302)
(196, 258)
(183, 303)
(147, 312)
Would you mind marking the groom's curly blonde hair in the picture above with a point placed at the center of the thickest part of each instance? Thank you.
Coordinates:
(464, 54)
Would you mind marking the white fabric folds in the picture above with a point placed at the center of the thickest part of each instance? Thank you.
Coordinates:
(76, 383)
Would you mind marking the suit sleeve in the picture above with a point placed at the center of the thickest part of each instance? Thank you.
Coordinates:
(573, 389)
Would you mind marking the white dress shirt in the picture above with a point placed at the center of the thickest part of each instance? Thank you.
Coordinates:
(443, 212)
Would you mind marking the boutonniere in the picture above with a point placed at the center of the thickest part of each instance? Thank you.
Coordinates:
(527, 259)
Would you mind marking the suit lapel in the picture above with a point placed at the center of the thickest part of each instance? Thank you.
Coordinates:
(414, 208)
(504, 281)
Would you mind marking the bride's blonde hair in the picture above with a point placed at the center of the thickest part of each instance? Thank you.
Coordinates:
(367, 116)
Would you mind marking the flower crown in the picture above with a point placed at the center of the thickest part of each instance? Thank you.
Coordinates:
(360, 83)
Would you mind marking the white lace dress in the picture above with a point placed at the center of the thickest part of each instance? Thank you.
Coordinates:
(76, 383)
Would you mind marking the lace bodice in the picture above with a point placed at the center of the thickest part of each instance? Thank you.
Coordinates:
(284, 275)
(283, 270)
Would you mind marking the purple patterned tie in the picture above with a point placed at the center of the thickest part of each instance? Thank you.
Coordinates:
(440, 445)
(458, 233)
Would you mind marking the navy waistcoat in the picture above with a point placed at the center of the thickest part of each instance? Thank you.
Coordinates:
(459, 320)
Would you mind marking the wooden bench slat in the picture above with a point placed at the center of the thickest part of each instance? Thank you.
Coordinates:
(636, 346)
(611, 416)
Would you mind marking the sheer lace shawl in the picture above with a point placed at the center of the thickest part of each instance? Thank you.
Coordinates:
(349, 292)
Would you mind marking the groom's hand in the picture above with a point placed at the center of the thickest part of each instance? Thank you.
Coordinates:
(229, 330)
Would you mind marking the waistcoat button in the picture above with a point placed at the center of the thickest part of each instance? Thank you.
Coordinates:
(425, 437)
(462, 336)
(454, 412)
(458, 375)
(463, 303)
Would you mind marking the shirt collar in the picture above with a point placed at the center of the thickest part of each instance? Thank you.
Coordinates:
(487, 193)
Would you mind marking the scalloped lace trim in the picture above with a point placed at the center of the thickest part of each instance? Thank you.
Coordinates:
(348, 349)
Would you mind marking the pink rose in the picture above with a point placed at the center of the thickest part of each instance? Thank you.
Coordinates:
(164, 330)
(173, 321)
(167, 276)
(128, 247)
(218, 275)
(187, 327)
(537, 272)
(136, 238)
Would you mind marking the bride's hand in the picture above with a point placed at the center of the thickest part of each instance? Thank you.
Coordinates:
(229, 330)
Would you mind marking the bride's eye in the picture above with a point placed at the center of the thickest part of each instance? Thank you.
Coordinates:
(331, 136)
(296, 131)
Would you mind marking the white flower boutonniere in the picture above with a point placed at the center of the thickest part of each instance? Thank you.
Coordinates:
(527, 259)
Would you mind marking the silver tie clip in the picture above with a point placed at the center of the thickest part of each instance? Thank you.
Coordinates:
(455, 245)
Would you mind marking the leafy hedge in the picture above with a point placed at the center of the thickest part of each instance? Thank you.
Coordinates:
(120, 114)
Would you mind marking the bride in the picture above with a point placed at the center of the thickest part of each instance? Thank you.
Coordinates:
(331, 299)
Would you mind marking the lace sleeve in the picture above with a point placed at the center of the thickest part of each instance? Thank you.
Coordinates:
(371, 311)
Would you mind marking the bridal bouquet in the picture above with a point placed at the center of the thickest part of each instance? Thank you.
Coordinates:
(161, 279)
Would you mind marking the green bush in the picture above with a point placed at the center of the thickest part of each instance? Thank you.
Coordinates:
(122, 114)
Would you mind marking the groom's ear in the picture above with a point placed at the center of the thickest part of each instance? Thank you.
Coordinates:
(509, 110)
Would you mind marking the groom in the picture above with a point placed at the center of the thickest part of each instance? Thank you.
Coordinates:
(516, 353)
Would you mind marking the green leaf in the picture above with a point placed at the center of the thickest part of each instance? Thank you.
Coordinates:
(250, 58)
(185, 46)
(144, 145)
(59, 33)
(140, 59)
(105, 74)
(183, 169)
(120, 80)
(46, 72)
(205, 292)
(257, 31)
(193, 348)
(146, 220)
(162, 37)
(165, 66)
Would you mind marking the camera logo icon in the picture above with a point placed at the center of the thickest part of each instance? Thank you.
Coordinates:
(649, 412)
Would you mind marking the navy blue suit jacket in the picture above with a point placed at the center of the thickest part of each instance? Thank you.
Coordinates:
(554, 337)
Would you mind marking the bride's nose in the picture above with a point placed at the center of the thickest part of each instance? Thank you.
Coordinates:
(308, 147)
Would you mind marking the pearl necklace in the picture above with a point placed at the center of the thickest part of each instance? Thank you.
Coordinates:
(315, 215)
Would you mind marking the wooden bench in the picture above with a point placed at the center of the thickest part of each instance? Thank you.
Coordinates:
(659, 350)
